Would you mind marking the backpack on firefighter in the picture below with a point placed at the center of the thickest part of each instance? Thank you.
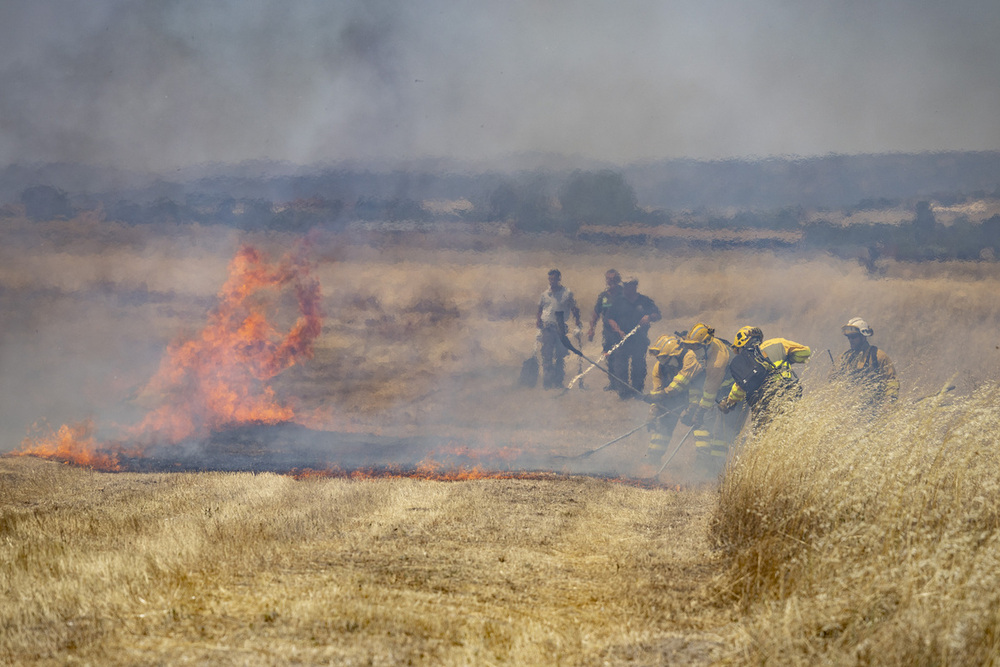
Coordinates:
(750, 370)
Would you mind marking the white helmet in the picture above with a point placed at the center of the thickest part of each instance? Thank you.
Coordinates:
(857, 326)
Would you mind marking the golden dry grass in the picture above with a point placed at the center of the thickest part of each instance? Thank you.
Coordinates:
(238, 568)
(857, 542)
(822, 547)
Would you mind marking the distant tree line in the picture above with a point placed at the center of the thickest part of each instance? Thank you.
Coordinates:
(531, 203)
(541, 202)
(535, 204)
(921, 239)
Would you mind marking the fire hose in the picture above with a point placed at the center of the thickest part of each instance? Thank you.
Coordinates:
(676, 449)
(948, 387)
(641, 426)
(569, 346)
(609, 442)
(594, 364)
(625, 435)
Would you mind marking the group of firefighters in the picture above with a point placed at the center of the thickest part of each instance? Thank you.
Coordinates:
(702, 385)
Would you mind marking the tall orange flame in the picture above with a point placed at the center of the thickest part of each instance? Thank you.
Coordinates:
(219, 377)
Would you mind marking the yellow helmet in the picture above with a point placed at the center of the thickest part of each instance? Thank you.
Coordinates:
(700, 334)
(747, 335)
(666, 346)
(658, 344)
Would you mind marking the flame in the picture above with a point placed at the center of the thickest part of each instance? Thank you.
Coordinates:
(220, 376)
(75, 444)
(428, 471)
(438, 472)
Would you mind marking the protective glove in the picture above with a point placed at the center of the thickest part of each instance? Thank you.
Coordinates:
(657, 418)
(725, 405)
(692, 415)
(652, 399)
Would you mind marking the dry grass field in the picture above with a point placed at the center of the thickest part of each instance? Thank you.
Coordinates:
(831, 538)
(237, 568)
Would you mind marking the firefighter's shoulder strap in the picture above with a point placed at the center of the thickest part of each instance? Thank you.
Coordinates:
(750, 371)
(871, 358)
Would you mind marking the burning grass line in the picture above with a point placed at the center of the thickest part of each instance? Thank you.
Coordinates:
(466, 475)
(422, 473)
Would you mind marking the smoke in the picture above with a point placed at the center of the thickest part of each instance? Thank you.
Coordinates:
(164, 85)
(418, 355)
(420, 343)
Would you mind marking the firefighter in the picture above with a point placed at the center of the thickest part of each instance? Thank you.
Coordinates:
(714, 355)
(762, 371)
(675, 387)
(867, 367)
(711, 440)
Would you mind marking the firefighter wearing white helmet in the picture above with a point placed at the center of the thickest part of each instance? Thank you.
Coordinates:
(865, 365)
(762, 369)
(674, 388)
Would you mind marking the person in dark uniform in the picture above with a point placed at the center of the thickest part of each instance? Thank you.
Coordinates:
(628, 363)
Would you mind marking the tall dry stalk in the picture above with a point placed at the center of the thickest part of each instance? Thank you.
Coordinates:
(875, 541)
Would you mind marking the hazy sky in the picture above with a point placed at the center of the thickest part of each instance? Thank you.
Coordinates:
(168, 83)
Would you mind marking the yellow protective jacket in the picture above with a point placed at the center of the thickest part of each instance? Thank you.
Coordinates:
(668, 382)
(716, 357)
(782, 353)
(870, 364)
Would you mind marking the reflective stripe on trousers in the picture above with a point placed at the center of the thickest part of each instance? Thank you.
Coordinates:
(709, 445)
(657, 445)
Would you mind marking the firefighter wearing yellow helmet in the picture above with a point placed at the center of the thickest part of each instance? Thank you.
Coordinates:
(746, 335)
(762, 370)
(714, 355)
(711, 440)
(866, 366)
(674, 388)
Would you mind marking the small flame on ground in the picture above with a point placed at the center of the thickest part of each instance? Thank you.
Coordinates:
(74, 443)
(429, 471)
(437, 472)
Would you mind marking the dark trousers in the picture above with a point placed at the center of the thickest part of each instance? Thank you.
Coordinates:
(628, 364)
(553, 354)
